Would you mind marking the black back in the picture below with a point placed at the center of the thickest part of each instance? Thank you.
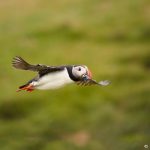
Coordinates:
(50, 70)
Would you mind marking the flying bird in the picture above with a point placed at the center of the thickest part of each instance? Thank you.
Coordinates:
(52, 77)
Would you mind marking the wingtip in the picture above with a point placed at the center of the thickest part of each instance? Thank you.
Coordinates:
(105, 82)
(16, 60)
(19, 63)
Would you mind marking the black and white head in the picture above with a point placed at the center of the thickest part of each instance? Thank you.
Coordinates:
(81, 72)
(83, 76)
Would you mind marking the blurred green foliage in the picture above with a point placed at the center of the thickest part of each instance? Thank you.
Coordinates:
(112, 38)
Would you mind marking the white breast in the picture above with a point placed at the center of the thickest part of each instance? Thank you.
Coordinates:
(53, 80)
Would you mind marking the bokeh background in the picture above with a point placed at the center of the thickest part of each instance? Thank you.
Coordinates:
(111, 37)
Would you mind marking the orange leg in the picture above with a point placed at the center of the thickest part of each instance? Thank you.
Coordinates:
(28, 88)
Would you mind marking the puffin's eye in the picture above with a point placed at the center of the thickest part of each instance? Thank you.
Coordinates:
(79, 69)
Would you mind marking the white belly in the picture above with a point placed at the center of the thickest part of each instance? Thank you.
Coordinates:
(53, 80)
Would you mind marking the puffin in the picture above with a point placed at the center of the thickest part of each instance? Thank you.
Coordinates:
(53, 77)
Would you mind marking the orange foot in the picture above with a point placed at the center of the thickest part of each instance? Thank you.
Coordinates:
(28, 88)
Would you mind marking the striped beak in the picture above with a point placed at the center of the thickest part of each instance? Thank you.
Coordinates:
(89, 74)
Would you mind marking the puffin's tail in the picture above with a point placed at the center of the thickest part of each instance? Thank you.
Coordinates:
(27, 87)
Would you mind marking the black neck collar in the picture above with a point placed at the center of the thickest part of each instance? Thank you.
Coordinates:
(69, 69)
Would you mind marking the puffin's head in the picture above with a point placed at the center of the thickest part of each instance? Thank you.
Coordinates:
(81, 72)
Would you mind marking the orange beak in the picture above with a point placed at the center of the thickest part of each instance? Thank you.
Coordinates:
(89, 74)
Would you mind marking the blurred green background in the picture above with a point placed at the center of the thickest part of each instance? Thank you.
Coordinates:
(111, 37)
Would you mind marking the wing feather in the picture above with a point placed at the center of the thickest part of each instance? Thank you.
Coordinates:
(20, 63)
(89, 82)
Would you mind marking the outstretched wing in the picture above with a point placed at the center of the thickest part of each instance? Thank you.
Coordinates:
(20, 63)
(93, 82)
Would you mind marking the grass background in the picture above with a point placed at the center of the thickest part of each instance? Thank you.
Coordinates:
(112, 38)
